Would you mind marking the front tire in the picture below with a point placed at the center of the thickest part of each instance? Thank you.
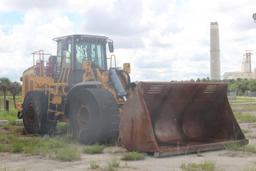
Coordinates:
(94, 115)
(35, 114)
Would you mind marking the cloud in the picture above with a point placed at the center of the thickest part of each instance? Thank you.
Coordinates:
(123, 19)
(163, 40)
(244, 22)
(12, 5)
(33, 34)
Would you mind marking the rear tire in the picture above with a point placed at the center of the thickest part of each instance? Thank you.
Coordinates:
(35, 114)
(94, 115)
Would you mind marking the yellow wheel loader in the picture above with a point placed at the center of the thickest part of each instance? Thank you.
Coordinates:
(83, 86)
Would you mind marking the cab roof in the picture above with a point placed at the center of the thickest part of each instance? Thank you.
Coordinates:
(86, 36)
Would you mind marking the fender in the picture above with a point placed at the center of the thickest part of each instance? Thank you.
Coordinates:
(87, 84)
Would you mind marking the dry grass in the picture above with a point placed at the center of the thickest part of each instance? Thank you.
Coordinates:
(251, 148)
(246, 131)
(243, 117)
(204, 166)
(249, 169)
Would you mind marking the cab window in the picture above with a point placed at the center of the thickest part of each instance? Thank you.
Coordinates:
(87, 51)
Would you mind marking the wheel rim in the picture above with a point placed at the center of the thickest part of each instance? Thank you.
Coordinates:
(30, 119)
(31, 115)
(83, 118)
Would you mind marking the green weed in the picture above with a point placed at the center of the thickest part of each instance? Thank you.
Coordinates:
(49, 147)
(94, 165)
(17, 147)
(68, 153)
(240, 99)
(113, 165)
(251, 148)
(245, 117)
(62, 127)
(205, 166)
(233, 147)
(4, 148)
(133, 156)
(94, 149)
(11, 116)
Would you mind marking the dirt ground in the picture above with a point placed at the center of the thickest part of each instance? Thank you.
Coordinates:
(225, 160)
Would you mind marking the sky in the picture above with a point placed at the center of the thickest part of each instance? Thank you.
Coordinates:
(163, 40)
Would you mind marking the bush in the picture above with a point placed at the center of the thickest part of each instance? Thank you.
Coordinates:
(94, 149)
(62, 127)
(112, 165)
(68, 153)
(17, 147)
(94, 165)
(133, 156)
(205, 166)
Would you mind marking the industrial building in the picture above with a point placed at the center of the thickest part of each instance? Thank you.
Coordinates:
(246, 69)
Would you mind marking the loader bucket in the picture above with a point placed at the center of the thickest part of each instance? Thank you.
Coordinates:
(167, 118)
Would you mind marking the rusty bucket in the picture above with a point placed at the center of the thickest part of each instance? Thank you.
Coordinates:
(167, 118)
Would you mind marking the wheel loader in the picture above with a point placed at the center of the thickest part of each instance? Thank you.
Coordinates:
(83, 86)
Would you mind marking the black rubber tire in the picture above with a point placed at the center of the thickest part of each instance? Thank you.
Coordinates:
(94, 115)
(35, 114)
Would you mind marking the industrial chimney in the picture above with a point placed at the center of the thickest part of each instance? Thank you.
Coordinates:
(215, 51)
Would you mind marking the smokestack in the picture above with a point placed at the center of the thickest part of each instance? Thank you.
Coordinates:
(215, 51)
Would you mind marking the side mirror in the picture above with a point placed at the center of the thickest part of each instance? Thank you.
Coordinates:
(111, 46)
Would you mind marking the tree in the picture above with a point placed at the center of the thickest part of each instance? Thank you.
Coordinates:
(14, 89)
(243, 86)
(4, 86)
(204, 80)
(192, 80)
(252, 85)
(232, 87)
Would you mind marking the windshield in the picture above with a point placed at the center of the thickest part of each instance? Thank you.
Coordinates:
(87, 51)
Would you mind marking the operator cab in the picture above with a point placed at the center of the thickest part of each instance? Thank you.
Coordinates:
(74, 50)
